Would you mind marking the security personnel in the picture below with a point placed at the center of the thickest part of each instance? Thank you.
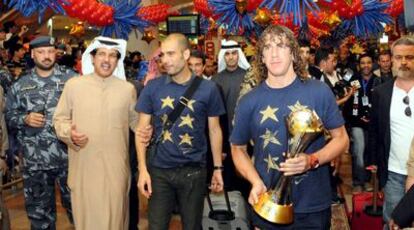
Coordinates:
(30, 105)
(6, 79)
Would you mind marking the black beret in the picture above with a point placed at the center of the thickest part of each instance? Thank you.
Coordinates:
(42, 41)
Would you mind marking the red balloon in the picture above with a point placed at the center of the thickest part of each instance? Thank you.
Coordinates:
(325, 3)
(253, 4)
(343, 12)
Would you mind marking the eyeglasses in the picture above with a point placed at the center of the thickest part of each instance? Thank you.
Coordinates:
(407, 111)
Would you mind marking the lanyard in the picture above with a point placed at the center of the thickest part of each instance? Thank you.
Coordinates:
(364, 86)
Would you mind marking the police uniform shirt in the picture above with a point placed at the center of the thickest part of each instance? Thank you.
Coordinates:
(6, 79)
(185, 143)
(265, 109)
(32, 93)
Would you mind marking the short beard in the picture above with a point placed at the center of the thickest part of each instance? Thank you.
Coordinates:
(43, 67)
(405, 74)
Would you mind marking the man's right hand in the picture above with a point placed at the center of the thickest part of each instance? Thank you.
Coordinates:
(144, 135)
(349, 91)
(78, 138)
(257, 189)
(35, 120)
(144, 183)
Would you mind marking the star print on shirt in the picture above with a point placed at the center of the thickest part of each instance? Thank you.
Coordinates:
(167, 102)
(269, 113)
(297, 106)
(271, 163)
(186, 139)
(190, 104)
(186, 120)
(269, 137)
(164, 118)
(167, 136)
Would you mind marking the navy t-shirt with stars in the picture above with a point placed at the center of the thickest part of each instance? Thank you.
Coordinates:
(185, 143)
(266, 109)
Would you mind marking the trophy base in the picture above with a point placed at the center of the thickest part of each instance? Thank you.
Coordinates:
(273, 212)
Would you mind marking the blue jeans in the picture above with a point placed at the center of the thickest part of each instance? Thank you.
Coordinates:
(186, 184)
(394, 190)
(359, 174)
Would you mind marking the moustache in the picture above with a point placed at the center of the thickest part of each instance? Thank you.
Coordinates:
(47, 59)
(404, 68)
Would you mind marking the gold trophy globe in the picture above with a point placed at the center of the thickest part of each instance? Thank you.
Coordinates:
(275, 205)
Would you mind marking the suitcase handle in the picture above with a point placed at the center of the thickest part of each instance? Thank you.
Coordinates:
(220, 214)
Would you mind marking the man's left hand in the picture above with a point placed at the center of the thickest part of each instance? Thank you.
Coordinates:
(296, 165)
(217, 181)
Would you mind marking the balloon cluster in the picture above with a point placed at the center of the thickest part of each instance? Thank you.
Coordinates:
(395, 8)
(202, 7)
(29, 7)
(154, 13)
(234, 15)
(94, 12)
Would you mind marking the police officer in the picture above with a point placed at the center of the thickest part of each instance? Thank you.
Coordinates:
(30, 105)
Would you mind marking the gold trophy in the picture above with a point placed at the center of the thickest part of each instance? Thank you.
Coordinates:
(275, 205)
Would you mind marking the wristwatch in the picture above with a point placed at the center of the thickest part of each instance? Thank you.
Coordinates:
(218, 168)
(313, 161)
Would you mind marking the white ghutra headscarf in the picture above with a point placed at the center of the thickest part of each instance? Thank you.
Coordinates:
(230, 45)
(109, 43)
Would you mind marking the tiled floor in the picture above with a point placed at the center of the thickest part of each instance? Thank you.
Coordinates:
(19, 221)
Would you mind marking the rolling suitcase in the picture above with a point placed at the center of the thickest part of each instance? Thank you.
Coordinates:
(367, 208)
(228, 213)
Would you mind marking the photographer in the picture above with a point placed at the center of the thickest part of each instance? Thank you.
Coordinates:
(325, 60)
(357, 115)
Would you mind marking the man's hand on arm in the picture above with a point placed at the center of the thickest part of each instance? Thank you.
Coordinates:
(144, 134)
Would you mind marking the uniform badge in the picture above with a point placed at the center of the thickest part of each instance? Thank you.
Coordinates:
(29, 88)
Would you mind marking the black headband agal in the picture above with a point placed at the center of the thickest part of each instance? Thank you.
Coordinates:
(108, 43)
(230, 46)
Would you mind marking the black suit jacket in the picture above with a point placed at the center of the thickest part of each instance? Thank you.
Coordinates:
(403, 213)
(379, 129)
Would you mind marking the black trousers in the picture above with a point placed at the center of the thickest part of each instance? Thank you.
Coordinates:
(186, 184)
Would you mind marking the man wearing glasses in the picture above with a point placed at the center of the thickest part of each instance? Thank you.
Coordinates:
(392, 124)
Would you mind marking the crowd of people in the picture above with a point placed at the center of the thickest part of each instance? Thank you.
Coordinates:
(190, 122)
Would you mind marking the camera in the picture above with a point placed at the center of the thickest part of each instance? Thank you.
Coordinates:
(340, 88)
